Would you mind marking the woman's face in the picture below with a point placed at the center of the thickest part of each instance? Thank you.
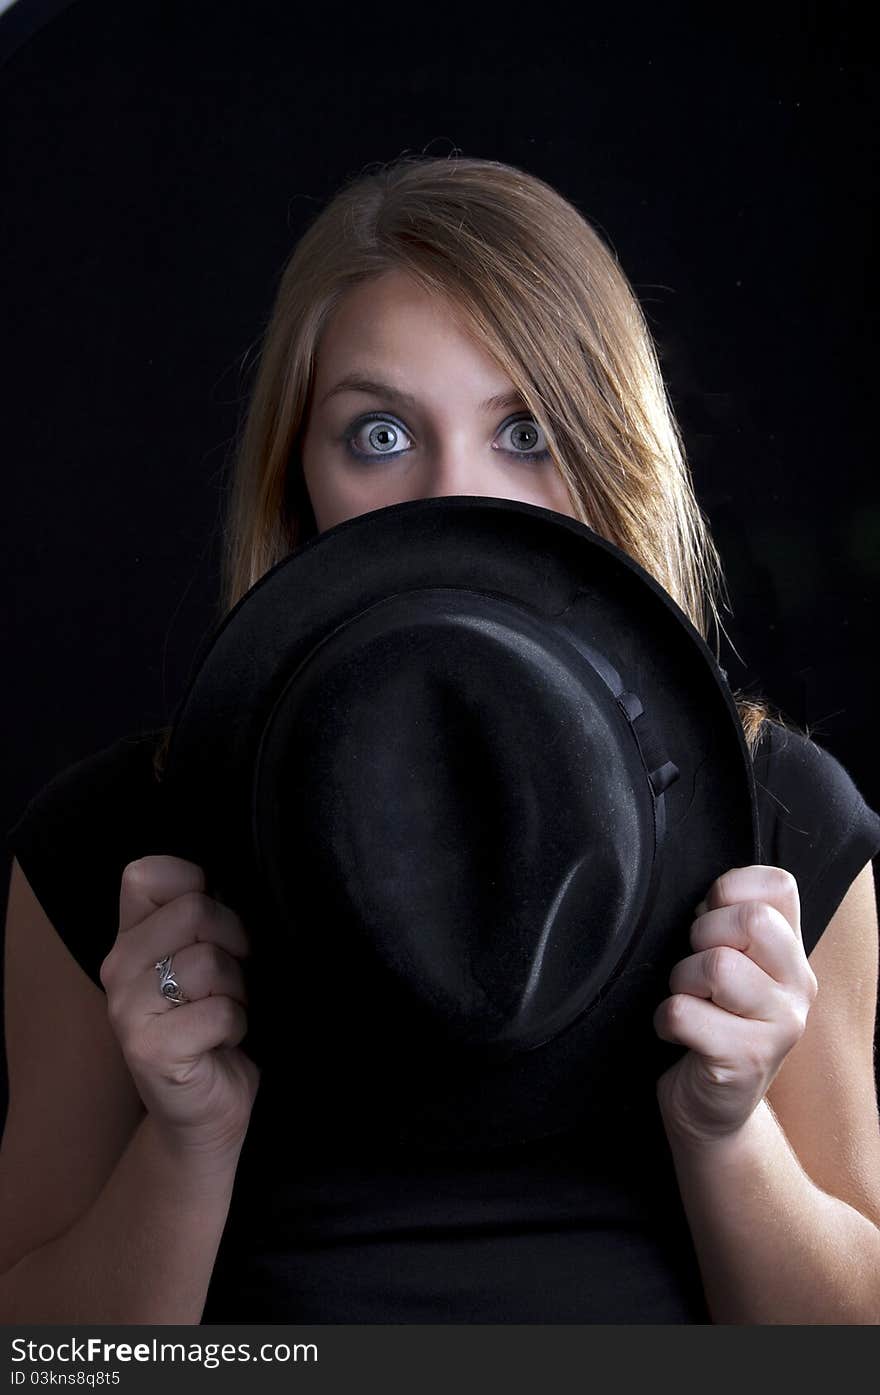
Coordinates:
(419, 422)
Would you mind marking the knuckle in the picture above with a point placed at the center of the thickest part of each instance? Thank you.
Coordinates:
(214, 956)
(722, 963)
(105, 972)
(194, 909)
(237, 1015)
(725, 886)
(114, 1006)
(754, 918)
(228, 1014)
(676, 1009)
(798, 1008)
(783, 881)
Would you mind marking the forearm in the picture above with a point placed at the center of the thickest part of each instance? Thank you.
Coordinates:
(773, 1248)
(142, 1253)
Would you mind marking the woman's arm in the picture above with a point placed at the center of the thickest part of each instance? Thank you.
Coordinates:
(100, 1220)
(144, 1251)
(784, 1204)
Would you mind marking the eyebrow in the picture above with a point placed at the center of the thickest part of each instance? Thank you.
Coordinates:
(356, 382)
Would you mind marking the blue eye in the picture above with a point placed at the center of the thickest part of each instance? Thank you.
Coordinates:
(383, 437)
(528, 427)
(386, 433)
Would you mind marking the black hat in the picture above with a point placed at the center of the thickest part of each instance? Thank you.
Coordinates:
(464, 769)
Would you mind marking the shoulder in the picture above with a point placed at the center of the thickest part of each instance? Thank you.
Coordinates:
(76, 833)
(126, 757)
(793, 762)
(814, 821)
(111, 786)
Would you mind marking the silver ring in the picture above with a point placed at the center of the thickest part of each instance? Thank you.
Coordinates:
(168, 985)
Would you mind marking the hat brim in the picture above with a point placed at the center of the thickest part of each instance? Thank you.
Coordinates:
(567, 573)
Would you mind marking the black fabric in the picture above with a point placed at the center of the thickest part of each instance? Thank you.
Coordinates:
(76, 835)
(813, 821)
(583, 1228)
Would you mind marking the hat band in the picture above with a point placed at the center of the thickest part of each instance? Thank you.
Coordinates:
(660, 772)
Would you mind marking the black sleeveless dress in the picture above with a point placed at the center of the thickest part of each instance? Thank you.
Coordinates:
(586, 1227)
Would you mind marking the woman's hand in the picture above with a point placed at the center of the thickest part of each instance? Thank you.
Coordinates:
(185, 1060)
(739, 1002)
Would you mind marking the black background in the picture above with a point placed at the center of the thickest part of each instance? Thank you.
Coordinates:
(160, 160)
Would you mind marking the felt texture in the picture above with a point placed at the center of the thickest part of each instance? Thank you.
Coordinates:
(465, 769)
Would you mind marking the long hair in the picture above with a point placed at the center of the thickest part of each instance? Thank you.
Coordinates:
(539, 290)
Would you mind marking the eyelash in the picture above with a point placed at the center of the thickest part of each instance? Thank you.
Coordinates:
(353, 430)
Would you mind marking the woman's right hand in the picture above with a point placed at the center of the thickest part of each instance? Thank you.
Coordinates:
(191, 1074)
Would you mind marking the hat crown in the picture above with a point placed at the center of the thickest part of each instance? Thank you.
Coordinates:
(447, 780)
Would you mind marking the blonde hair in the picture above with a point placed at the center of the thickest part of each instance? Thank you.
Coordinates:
(539, 290)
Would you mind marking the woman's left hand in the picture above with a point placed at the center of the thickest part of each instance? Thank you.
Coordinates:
(740, 1003)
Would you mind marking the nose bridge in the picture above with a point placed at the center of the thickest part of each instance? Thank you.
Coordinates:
(453, 468)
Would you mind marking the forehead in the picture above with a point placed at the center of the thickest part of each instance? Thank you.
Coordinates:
(390, 314)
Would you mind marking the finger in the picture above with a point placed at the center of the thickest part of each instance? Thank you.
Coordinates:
(165, 1043)
(730, 980)
(708, 1029)
(192, 918)
(774, 885)
(202, 970)
(151, 882)
(759, 931)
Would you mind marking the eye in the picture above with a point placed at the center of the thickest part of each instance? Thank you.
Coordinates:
(525, 431)
(381, 440)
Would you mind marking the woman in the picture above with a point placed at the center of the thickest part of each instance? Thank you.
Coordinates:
(445, 327)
